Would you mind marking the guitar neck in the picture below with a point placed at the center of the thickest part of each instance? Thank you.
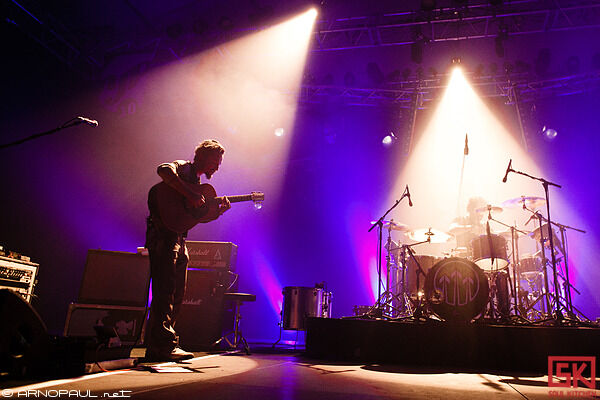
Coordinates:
(235, 199)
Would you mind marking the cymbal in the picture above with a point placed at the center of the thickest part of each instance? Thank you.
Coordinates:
(393, 225)
(529, 201)
(437, 236)
(493, 209)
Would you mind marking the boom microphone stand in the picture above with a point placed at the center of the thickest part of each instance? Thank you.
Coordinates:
(379, 224)
(514, 244)
(70, 123)
(558, 317)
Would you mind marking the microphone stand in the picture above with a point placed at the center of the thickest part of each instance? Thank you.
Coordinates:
(545, 183)
(407, 248)
(68, 124)
(515, 246)
(379, 225)
(567, 283)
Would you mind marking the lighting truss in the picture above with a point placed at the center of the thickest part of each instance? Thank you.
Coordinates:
(400, 93)
(472, 21)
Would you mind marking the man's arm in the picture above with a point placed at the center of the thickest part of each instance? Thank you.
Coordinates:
(168, 175)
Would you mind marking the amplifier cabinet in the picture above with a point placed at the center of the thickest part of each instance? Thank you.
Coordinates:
(216, 255)
(204, 315)
(115, 277)
(129, 322)
(19, 276)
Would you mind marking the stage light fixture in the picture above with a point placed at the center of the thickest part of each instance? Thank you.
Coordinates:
(388, 140)
(549, 133)
(279, 132)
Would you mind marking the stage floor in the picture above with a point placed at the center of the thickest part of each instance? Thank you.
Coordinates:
(286, 374)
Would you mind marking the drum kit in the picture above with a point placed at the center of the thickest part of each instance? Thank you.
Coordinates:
(483, 277)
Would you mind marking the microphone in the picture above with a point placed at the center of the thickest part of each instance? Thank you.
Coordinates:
(534, 215)
(90, 122)
(508, 169)
(408, 195)
(466, 144)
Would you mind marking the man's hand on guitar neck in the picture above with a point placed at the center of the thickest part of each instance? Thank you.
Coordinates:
(224, 206)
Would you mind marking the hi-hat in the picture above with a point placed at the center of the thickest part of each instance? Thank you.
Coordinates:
(393, 225)
(490, 208)
(435, 235)
(532, 202)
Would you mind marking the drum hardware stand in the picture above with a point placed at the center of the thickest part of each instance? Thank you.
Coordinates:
(513, 283)
(417, 313)
(378, 307)
(558, 317)
(562, 228)
(567, 286)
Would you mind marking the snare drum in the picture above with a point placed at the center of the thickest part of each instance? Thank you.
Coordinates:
(483, 254)
(457, 289)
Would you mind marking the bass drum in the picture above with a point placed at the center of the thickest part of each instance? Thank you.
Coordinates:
(457, 289)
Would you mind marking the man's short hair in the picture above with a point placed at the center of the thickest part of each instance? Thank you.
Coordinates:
(207, 147)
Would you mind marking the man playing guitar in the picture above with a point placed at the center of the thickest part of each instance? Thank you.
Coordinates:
(166, 246)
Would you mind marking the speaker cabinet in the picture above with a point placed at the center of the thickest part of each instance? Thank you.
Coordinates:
(24, 342)
(128, 322)
(115, 278)
(204, 315)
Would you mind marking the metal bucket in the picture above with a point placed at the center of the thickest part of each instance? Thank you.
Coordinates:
(298, 303)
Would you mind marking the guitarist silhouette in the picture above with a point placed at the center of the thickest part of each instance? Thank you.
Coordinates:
(165, 241)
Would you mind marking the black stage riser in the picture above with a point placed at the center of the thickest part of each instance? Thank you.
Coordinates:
(443, 345)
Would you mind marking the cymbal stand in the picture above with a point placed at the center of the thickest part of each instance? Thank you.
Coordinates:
(378, 307)
(514, 285)
(546, 307)
(407, 248)
(567, 286)
(558, 317)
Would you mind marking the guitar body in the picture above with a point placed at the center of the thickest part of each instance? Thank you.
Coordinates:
(177, 215)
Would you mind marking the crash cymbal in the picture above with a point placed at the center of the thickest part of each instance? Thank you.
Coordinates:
(493, 209)
(435, 235)
(529, 201)
(393, 225)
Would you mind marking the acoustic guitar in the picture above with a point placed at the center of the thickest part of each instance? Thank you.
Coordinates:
(178, 215)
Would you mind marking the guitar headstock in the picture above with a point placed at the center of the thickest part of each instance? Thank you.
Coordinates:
(257, 198)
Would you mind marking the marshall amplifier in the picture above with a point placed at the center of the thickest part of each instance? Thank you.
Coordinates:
(18, 275)
(213, 255)
(204, 313)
